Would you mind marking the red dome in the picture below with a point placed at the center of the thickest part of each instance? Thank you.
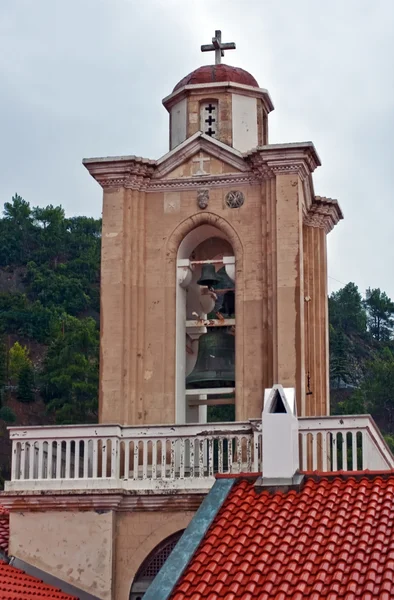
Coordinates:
(215, 74)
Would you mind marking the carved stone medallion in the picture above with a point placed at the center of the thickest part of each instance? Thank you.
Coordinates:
(235, 199)
(202, 198)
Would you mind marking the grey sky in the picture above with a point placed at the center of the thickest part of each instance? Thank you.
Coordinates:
(82, 78)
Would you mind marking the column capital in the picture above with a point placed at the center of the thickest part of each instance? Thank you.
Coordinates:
(276, 159)
(120, 171)
(324, 213)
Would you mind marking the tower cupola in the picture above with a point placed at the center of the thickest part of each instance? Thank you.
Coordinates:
(222, 101)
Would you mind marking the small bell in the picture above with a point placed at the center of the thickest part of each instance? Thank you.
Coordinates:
(208, 276)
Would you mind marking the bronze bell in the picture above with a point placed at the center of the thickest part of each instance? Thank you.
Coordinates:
(225, 303)
(208, 276)
(215, 366)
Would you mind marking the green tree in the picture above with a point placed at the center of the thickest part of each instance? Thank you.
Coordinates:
(25, 392)
(18, 359)
(7, 414)
(16, 232)
(347, 313)
(380, 311)
(378, 390)
(3, 362)
(339, 358)
(70, 373)
(52, 234)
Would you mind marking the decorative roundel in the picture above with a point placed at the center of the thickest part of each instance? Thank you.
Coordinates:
(235, 199)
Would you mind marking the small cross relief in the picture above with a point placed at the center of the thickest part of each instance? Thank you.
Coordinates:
(199, 167)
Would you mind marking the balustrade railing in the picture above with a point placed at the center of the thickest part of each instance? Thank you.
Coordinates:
(180, 457)
(102, 456)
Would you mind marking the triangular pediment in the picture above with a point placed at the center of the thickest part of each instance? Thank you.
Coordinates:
(199, 156)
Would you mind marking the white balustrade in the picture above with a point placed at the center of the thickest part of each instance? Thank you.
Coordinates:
(180, 457)
(349, 443)
(138, 458)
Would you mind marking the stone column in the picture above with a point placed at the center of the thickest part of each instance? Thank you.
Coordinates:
(289, 348)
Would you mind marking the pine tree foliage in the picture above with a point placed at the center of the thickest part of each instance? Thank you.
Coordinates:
(25, 392)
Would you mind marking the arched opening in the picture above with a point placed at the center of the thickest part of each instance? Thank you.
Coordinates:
(152, 565)
(205, 327)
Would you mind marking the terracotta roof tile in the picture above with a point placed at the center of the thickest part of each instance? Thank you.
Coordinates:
(16, 585)
(215, 74)
(4, 529)
(334, 539)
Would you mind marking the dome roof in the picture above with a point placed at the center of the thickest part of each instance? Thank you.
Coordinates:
(215, 74)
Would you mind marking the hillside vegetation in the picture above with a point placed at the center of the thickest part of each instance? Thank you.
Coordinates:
(49, 312)
(49, 327)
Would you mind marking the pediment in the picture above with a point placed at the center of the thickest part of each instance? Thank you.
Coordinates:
(199, 156)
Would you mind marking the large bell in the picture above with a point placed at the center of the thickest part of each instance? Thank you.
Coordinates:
(215, 361)
(225, 303)
(208, 276)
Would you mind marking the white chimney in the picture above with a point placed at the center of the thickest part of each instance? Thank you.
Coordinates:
(280, 437)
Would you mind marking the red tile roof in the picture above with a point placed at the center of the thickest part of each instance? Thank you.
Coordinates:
(16, 585)
(333, 539)
(4, 529)
(215, 74)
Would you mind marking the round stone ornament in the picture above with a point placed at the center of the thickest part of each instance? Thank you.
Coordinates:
(235, 199)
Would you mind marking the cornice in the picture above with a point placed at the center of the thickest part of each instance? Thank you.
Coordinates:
(191, 183)
(276, 159)
(218, 87)
(101, 500)
(120, 171)
(324, 213)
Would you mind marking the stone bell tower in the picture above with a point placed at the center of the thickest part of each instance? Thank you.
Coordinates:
(222, 237)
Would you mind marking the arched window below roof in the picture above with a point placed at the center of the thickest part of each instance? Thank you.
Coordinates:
(152, 565)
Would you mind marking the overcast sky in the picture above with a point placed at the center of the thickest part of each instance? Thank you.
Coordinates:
(83, 78)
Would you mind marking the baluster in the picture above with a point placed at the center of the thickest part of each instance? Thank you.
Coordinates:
(104, 457)
(200, 457)
(256, 451)
(172, 467)
(239, 453)
(229, 454)
(344, 451)
(210, 457)
(324, 450)
(314, 451)
(77, 459)
(95, 459)
(50, 460)
(68, 460)
(334, 451)
(16, 457)
(40, 461)
(182, 458)
(85, 459)
(220, 455)
(135, 465)
(249, 454)
(304, 454)
(354, 450)
(144, 459)
(31, 459)
(154, 459)
(163, 458)
(58, 459)
(364, 450)
(115, 458)
(22, 464)
(126, 474)
(191, 457)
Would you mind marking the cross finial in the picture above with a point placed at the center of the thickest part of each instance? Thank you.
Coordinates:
(218, 46)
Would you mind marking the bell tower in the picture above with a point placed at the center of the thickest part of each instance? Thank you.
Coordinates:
(213, 276)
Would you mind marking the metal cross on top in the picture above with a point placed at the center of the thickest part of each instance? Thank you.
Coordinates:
(218, 47)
